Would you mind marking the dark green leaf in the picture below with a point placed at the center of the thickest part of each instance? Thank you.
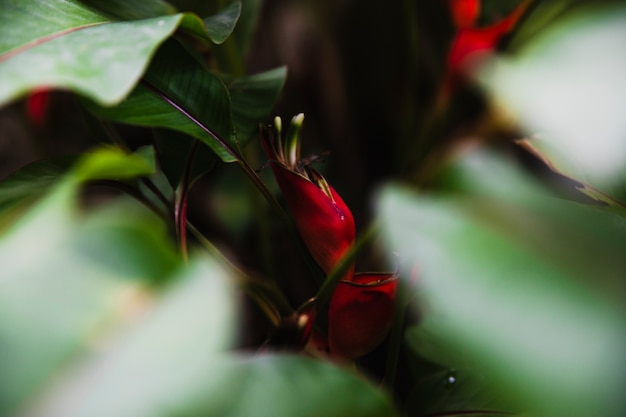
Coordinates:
(173, 151)
(221, 25)
(131, 10)
(454, 391)
(180, 94)
(253, 99)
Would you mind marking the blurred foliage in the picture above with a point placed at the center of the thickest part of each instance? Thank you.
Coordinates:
(147, 267)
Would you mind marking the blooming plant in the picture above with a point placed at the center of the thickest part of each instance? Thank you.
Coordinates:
(166, 249)
(361, 307)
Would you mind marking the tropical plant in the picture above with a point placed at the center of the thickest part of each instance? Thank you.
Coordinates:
(171, 247)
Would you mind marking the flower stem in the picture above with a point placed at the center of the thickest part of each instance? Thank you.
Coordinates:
(180, 207)
(333, 278)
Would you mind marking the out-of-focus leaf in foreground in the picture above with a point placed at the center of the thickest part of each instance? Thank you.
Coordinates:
(63, 277)
(568, 84)
(99, 316)
(517, 284)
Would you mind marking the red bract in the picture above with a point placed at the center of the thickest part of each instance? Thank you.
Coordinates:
(464, 12)
(321, 216)
(470, 42)
(361, 313)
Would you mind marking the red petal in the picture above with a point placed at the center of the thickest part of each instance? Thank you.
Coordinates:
(464, 12)
(326, 226)
(361, 313)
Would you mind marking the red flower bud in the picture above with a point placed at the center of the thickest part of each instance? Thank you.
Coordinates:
(323, 219)
(361, 313)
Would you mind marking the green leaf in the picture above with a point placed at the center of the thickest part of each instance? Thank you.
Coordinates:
(452, 391)
(253, 99)
(26, 22)
(523, 286)
(114, 163)
(64, 280)
(131, 10)
(173, 149)
(96, 61)
(212, 385)
(32, 181)
(555, 84)
(221, 25)
(180, 94)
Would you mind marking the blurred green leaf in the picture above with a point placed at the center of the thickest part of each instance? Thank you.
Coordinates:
(35, 179)
(63, 280)
(95, 61)
(32, 181)
(163, 362)
(253, 99)
(186, 381)
(180, 94)
(568, 84)
(221, 25)
(523, 286)
(114, 163)
(455, 391)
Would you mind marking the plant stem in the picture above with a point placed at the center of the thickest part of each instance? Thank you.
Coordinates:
(395, 336)
(258, 183)
(180, 207)
(328, 286)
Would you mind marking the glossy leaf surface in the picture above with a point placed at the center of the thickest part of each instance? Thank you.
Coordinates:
(95, 61)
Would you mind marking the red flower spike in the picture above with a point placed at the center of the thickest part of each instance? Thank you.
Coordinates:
(322, 217)
(361, 313)
(464, 12)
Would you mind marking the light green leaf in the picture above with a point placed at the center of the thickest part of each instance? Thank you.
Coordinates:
(24, 22)
(114, 163)
(189, 382)
(63, 280)
(522, 286)
(96, 61)
(568, 85)
(162, 363)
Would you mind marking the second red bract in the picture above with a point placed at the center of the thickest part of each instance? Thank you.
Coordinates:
(361, 308)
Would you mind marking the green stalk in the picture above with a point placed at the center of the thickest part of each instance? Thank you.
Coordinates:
(335, 276)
